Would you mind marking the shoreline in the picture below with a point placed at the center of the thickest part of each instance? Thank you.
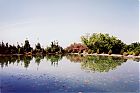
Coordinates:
(112, 55)
(94, 54)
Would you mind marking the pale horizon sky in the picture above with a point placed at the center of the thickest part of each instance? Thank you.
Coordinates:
(67, 20)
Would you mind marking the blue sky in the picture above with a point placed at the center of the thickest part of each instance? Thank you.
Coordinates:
(67, 20)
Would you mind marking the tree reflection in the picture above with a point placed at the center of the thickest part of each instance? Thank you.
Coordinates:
(97, 63)
(27, 60)
(38, 58)
(7, 60)
(54, 59)
(88, 63)
(4, 61)
(136, 59)
(75, 58)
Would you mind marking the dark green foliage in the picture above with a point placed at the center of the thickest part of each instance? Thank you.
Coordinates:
(131, 53)
(103, 42)
(98, 51)
(110, 52)
(136, 53)
(38, 50)
(133, 48)
(12, 49)
(95, 43)
(54, 48)
(125, 54)
(8, 49)
(122, 51)
(38, 46)
(27, 47)
(89, 51)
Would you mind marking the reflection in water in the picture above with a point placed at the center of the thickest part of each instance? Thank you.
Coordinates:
(38, 59)
(97, 63)
(54, 59)
(7, 60)
(89, 63)
(27, 60)
(69, 75)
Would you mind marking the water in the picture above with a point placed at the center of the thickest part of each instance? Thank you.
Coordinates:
(72, 73)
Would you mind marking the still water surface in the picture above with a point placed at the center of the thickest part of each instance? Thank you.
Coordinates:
(72, 73)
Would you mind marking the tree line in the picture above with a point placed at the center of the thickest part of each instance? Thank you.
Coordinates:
(104, 43)
(6, 48)
(90, 43)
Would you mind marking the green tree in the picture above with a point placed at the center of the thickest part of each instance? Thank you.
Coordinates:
(54, 48)
(103, 42)
(27, 47)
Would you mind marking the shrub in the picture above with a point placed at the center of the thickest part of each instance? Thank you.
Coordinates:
(92, 51)
(136, 53)
(131, 53)
(76, 47)
(122, 52)
(98, 51)
(89, 51)
(125, 54)
(110, 52)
